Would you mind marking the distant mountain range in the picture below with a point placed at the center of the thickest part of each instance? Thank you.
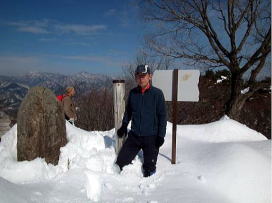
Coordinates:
(14, 88)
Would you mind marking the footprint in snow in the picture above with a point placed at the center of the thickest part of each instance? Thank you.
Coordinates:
(201, 179)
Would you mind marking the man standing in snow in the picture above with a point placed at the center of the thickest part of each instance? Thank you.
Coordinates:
(146, 109)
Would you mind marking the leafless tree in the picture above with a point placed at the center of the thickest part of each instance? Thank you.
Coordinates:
(232, 34)
(96, 110)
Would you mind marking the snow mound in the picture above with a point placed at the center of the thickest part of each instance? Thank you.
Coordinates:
(93, 186)
(7, 191)
(234, 170)
(224, 130)
(223, 161)
(9, 144)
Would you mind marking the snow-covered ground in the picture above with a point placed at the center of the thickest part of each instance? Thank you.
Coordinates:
(222, 162)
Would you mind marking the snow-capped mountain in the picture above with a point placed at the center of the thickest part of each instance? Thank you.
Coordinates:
(57, 82)
(13, 89)
(11, 95)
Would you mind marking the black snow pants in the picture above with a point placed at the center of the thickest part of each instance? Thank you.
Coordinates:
(133, 145)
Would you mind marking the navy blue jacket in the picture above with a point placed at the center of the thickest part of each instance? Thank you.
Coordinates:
(147, 112)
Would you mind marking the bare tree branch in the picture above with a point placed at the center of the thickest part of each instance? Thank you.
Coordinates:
(220, 10)
(262, 51)
(194, 35)
(255, 71)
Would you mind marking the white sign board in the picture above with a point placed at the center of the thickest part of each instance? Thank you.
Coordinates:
(187, 84)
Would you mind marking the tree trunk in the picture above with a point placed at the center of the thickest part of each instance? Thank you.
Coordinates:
(237, 100)
(235, 107)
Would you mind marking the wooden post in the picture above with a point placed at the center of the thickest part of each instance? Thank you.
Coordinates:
(174, 113)
(119, 109)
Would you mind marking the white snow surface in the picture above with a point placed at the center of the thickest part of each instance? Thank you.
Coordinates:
(221, 80)
(244, 91)
(223, 161)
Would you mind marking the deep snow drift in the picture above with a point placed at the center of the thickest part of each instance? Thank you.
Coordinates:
(222, 162)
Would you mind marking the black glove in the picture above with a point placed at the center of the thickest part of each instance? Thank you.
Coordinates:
(121, 132)
(159, 141)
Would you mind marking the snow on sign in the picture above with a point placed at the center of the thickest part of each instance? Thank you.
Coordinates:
(187, 84)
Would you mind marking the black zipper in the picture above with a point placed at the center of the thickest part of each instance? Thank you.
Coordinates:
(142, 98)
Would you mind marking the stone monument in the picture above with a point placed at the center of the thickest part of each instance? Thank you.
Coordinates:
(41, 130)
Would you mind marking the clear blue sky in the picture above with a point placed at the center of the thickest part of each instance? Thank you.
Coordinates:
(68, 36)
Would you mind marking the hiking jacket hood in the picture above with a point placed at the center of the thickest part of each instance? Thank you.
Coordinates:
(146, 111)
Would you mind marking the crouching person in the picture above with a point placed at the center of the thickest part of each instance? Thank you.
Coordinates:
(146, 108)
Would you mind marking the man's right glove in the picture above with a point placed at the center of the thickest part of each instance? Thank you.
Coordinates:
(159, 141)
(121, 132)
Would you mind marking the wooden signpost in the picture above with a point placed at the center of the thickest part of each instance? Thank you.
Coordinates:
(174, 113)
(177, 85)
